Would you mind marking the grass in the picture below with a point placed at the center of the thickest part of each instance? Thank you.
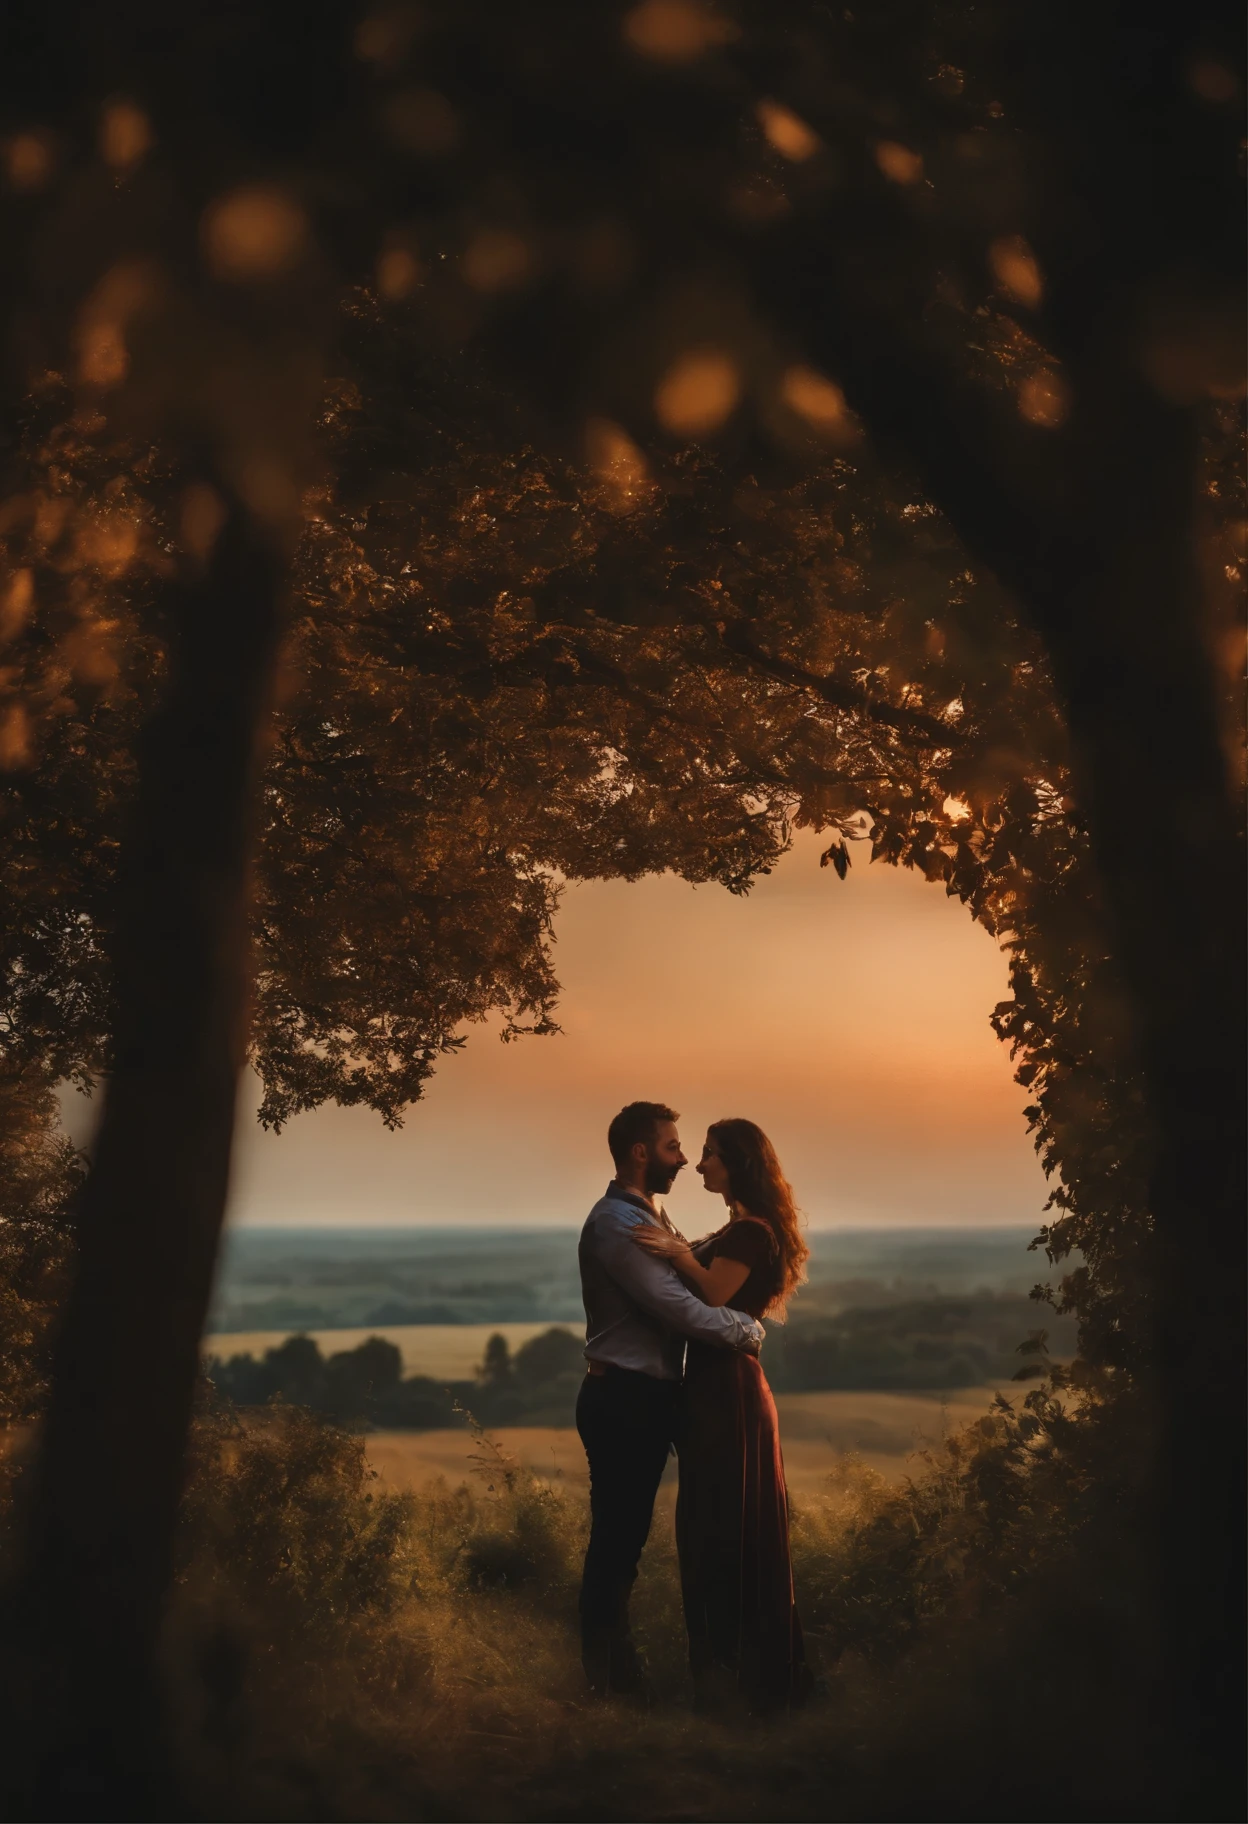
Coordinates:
(342, 1648)
(881, 1430)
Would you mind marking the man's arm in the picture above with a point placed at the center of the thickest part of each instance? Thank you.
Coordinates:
(653, 1285)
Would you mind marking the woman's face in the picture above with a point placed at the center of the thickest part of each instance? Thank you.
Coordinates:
(714, 1171)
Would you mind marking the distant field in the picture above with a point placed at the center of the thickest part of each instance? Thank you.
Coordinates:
(339, 1279)
(443, 1351)
(815, 1429)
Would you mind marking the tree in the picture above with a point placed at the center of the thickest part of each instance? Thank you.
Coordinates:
(700, 211)
(495, 1369)
(39, 1175)
(1013, 238)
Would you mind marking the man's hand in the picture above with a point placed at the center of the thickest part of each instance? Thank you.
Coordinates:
(660, 1243)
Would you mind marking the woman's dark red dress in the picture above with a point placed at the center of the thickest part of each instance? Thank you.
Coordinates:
(732, 1511)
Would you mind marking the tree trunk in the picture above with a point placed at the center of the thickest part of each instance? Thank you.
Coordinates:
(1093, 534)
(1143, 719)
(108, 1479)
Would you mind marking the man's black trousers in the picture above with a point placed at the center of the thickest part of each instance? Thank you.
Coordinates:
(626, 1421)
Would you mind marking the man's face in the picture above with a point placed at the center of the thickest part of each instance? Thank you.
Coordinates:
(663, 1160)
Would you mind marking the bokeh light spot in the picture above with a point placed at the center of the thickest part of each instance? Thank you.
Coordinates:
(422, 122)
(126, 135)
(1014, 268)
(398, 273)
(1212, 81)
(17, 603)
(28, 162)
(100, 337)
(253, 234)
(820, 402)
(497, 259)
(786, 132)
(675, 31)
(618, 464)
(698, 392)
(1044, 399)
(15, 741)
(107, 542)
(269, 489)
(898, 163)
(201, 518)
(102, 357)
(385, 37)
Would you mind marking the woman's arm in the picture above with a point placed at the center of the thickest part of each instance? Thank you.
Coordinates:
(714, 1284)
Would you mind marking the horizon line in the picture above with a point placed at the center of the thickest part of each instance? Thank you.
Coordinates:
(517, 1228)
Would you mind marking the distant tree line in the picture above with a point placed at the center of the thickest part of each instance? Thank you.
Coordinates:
(1008, 241)
(925, 1344)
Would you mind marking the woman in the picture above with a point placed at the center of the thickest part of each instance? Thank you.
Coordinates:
(732, 1513)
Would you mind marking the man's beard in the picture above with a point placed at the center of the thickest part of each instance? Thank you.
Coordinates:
(659, 1177)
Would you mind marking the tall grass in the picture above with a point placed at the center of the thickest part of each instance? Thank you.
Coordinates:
(338, 1651)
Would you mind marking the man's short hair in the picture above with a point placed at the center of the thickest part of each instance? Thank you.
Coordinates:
(639, 1121)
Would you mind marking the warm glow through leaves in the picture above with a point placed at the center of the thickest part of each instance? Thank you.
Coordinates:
(1014, 268)
(385, 37)
(1044, 399)
(898, 163)
(698, 392)
(618, 464)
(398, 273)
(102, 355)
(786, 132)
(15, 738)
(253, 234)
(422, 122)
(497, 259)
(201, 518)
(106, 542)
(103, 358)
(16, 603)
(125, 136)
(675, 31)
(820, 402)
(1212, 81)
(27, 162)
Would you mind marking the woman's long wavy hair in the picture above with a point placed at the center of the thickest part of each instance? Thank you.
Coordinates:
(756, 1182)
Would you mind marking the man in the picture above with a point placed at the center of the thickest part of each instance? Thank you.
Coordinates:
(637, 1317)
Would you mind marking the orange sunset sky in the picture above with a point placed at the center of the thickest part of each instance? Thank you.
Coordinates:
(849, 1018)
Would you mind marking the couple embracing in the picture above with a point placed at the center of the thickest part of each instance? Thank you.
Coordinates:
(672, 1342)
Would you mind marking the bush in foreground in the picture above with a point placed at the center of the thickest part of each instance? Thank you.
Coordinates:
(337, 1651)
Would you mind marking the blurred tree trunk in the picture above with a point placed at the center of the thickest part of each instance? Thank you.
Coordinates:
(1092, 530)
(108, 1480)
